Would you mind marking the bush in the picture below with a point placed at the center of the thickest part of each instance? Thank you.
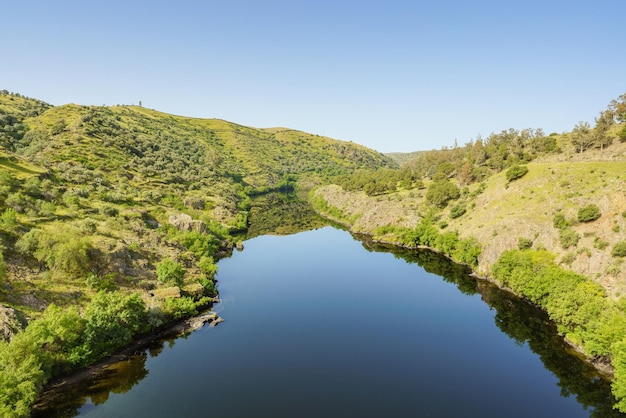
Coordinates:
(524, 243)
(568, 238)
(170, 272)
(111, 321)
(457, 211)
(440, 192)
(182, 307)
(619, 249)
(559, 221)
(3, 267)
(109, 210)
(588, 213)
(515, 172)
(207, 266)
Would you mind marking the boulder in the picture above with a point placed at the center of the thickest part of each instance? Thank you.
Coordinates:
(9, 323)
(184, 222)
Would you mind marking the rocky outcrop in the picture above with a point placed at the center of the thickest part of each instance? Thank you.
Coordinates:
(184, 222)
(9, 323)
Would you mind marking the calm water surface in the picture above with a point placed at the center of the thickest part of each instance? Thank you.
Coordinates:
(316, 325)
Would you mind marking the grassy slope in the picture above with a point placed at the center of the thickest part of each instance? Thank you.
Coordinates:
(504, 211)
(146, 165)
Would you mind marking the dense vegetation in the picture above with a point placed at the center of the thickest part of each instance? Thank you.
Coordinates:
(499, 204)
(112, 218)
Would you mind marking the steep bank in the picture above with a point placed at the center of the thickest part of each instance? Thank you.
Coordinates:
(112, 218)
(536, 238)
(503, 212)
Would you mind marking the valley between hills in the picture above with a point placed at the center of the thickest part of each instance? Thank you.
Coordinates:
(112, 219)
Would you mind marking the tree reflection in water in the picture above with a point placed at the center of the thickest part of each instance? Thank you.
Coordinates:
(525, 324)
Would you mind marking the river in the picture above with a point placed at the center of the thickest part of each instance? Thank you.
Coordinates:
(319, 324)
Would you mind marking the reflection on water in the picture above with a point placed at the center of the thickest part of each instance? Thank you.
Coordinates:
(526, 325)
(281, 214)
(81, 392)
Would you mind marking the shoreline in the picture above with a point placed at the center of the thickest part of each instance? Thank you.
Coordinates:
(142, 342)
(601, 364)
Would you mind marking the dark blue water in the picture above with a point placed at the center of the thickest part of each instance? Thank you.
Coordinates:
(318, 326)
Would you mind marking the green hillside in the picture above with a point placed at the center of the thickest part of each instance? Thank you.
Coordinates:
(111, 219)
(541, 215)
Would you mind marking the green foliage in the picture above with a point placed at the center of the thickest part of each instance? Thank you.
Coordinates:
(582, 137)
(588, 213)
(198, 243)
(619, 249)
(426, 234)
(96, 282)
(207, 266)
(524, 243)
(599, 243)
(440, 192)
(62, 251)
(568, 238)
(209, 286)
(170, 272)
(515, 172)
(619, 381)
(61, 340)
(111, 321)
(8, 220)
(578, 305)
(3, 266)
(376, 182)
(457, 211)
(559, 221)
(109, 210)
(178, 308)
(622, 134)
(21, 377)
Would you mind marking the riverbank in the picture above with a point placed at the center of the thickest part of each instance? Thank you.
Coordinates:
(57, 385)
(602, 364)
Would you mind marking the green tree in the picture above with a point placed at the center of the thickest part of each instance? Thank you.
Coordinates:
(440, 192)
(111, 321)
(515, 172)
(582, 137)
(618, 108)
(171, 272)
(601, 135)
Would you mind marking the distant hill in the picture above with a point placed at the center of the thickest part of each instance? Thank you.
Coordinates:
(403, 157)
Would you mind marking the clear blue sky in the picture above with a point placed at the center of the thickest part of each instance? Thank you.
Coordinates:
(391, 75)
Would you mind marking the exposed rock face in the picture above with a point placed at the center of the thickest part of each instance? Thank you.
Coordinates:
(9, 323)
(185, 222)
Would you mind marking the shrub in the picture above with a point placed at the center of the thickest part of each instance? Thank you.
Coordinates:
(3, 267)
(181, 307)
(559, 221)
(8, 220)
(109, 210)
(171, 272)
(524, 243)
(568, 238)
(457, 211)
(619, 249)
(112, 320)
(588, 213)
(441, 192)
(599, 243)
(515, 172)
(207, 266)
